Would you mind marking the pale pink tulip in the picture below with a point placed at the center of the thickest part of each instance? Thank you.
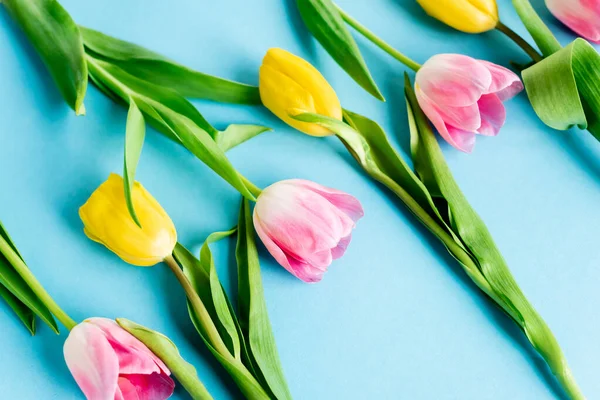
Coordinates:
(463, 97)
(305, 226)
(581, 16)
(108, 363)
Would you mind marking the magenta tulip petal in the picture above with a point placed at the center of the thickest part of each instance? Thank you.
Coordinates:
(146, 387)
(465, 141)
(343, 201)
(302, 224)
(505, 83)
(493, 115)
(92, 362)
(453, 80)
(581, 16)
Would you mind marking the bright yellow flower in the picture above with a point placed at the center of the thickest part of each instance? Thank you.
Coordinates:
(107, 221)
(471, 16)
(289, 84)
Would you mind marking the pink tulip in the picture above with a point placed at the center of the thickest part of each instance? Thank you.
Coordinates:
(108, 363)
(305, 226)
(582, 16)
(463, 97)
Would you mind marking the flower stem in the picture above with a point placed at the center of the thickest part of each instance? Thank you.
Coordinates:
(255, 190)
(196, 303)
(522, 43)
(15, 260)
(378, 41)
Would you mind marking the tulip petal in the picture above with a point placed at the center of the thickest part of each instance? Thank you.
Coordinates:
(493, 115)
(462, 140)
(453, 80)
(343, 201)
(505, 83)
(92, 362)
(339, 251)
(146, 387)
(581, 16)
(134, 357)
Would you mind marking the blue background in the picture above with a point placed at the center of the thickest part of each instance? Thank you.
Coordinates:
(394, 318)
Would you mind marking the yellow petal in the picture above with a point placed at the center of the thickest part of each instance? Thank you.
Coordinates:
(471, 16)
(106, 220)
(288, 82)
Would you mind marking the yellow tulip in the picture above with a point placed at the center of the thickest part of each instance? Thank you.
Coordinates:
(290, 85)
(471, 16)
(106, 220)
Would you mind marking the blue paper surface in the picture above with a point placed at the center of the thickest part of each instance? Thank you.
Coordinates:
(396, 317)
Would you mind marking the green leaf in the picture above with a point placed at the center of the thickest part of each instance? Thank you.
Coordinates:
(325, 23)
(57, 40)
(134, 141)
(159, 70)
(166, 350)
(564, 88)
(470, 228)
(542, 36)
(14, 283)
(173, 116)
(23, 312)
(235, 135)
(254, 317)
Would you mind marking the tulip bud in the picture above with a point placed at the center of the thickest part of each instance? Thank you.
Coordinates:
(581, 16)
(290, 85)
(462, 97)
(305, 226)
(470, 16)
(108, 362)
(106, 220)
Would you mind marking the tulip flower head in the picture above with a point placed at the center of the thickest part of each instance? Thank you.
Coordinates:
(581, 16)
(109, 363)
(463, 97)
(305, 226)
(470, 16)
(290, 85)
(106, 220)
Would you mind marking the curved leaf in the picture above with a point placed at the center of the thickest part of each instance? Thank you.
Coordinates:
(155, 68)
(166, 350)
(56, 38)
(564, 88)
(134, 141)
(326, 24)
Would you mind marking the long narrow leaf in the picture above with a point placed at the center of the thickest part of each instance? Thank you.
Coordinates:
(155, 68)
(254, 317)
(326, 24)
(57, 39)
(21, 310)
(134, 141)
(166, 350)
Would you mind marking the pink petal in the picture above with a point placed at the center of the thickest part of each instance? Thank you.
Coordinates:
(505, 83)
(453, 80)
(134, 356)
(302, 221)
(343, 201)
(339, 251)
(493, 115)
(462, 140)
(301, 270)
(146, 387)
(581, 16)
(92, 362)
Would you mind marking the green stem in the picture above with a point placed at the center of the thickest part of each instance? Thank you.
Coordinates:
(522, 43)
(15, 260)
(566, 379)
(378, 41)
(200, 310)
(255, 190)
